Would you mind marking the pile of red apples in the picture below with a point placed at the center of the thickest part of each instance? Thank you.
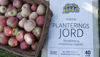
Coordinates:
(21, 24)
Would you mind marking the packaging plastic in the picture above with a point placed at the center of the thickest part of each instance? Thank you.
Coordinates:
(62, 40)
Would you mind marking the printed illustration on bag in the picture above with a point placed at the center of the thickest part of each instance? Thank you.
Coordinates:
(71, 8)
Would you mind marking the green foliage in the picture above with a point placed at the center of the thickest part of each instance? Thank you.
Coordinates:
(4, 53)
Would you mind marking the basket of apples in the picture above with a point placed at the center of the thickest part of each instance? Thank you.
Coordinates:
(24, 26)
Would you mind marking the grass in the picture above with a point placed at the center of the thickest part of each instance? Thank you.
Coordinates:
(4, 53)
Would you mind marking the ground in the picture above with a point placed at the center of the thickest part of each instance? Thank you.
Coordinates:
(4, 53)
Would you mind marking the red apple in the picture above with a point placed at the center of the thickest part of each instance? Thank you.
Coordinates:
(12, 42)
(29, 38)
(26, 6)
(12, 22)
(17, 3)
(25, 12)
(37, 32)
(34, 7)
(2, 20)
(1, 28)
(6, 14)
(11, 10)
(3, 39)
(4, 2)
(22, 22)
(40, 20)
(8, 31)
(20, 35)
(29, 25)
(10, 7)
(3, 9)
(24, 45)
(33, 16)
(19, 16)
(34, 46)
(15, 31)
(41, 10)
